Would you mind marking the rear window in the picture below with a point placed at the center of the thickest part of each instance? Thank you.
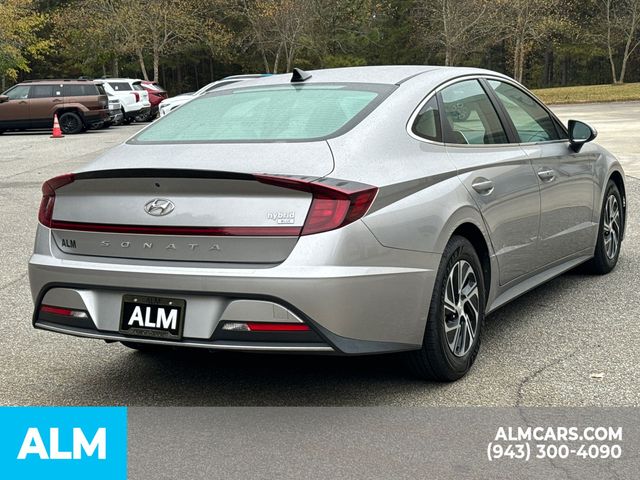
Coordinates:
(121, 86)
(268, 114)
(101, 90)
(79, 90)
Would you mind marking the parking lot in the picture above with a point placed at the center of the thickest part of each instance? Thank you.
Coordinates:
(573, 341)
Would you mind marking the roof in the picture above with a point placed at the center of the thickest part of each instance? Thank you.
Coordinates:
(64, 80)
(385, 74)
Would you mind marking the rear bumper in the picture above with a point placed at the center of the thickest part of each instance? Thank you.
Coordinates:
(116, 115)
(373, 305)
(94, 117)
(135, 113)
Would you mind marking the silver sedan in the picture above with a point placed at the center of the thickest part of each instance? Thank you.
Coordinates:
(347, 211)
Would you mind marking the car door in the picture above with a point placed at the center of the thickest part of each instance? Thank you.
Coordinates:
(44, 99)
(14, 113)
(497, 173)
(566, 178)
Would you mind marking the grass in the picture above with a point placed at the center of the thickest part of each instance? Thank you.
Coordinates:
(590, 93)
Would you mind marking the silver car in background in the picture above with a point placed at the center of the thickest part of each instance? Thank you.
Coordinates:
(348, 211)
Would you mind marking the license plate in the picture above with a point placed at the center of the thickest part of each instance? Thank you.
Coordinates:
(152, 316)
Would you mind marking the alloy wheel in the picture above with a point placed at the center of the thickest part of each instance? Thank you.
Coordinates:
(69, 123)
(461, 308)
(611, 227)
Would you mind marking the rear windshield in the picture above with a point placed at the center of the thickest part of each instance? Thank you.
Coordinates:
(153, 86)
(121, 86)
(267, 114)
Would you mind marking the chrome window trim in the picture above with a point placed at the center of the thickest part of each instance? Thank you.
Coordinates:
(432, 93)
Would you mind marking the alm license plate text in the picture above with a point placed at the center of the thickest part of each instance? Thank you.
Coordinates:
(152, 316)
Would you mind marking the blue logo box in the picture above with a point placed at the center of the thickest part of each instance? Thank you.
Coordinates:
(63, 442)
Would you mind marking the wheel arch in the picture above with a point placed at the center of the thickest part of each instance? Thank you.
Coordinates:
(476, 237)
(617, 177)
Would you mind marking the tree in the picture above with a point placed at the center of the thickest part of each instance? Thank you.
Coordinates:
(90, 35)
(621, 32)
(342, 32)
(161, 27)
(458, 27)
(526, 24)
(20, 24)
(277, 29)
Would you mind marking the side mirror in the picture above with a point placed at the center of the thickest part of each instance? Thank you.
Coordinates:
(4, 98)
(579, 134)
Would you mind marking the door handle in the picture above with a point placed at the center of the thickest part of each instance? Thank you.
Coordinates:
(57, 100)
(546, 175)
(22, 102)
(483, 186)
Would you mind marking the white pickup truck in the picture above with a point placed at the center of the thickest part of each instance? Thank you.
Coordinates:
(133, 97)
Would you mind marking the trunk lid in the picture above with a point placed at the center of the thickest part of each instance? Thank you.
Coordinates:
(195, 203)
(312, 159)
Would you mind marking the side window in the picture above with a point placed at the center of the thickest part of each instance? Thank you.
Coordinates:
(41, 91)
(80, 90)
(532, 122)
(427, 123)
(18, 93)
(468, 116)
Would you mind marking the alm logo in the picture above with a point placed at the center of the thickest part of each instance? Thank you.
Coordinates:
(34, 445)
(63, 443)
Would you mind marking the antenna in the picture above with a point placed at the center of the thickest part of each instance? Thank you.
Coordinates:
(299, 76)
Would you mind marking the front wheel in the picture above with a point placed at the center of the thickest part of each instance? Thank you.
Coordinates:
(456, 314)
(610, 232)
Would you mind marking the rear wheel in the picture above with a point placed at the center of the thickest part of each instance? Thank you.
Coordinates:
(125, 119)
(70, 123)
(144, 117)
(609, 241)
(452, 335)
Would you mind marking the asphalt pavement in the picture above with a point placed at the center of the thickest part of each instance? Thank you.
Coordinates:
(571, 342)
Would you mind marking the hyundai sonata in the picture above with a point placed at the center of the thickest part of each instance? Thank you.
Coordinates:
(348, 211)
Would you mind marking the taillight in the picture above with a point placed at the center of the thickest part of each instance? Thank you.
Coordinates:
(265, 327)
(49, 196)
(137, 96)
(335, 204)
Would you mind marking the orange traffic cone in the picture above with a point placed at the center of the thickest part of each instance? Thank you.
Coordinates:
(57, 133)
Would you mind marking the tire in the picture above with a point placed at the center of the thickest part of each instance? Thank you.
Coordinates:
(445, 355)
(126, 120)
(145, 347)
(144, 117)
(70, 123)
(610, 232)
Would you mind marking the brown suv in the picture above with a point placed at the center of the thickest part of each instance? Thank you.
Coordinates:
(80, 104)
